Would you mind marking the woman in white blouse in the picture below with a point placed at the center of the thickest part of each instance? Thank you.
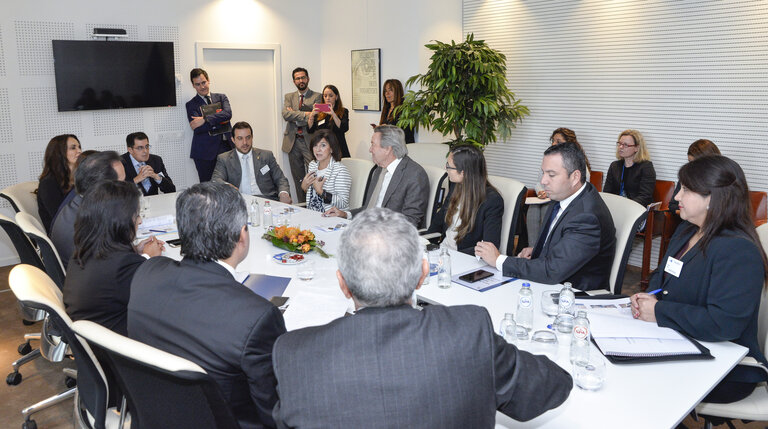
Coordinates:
(328, 181)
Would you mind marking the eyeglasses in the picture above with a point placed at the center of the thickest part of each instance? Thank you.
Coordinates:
(141, 147)
(620, 144)
(448, 167)
(301, 78)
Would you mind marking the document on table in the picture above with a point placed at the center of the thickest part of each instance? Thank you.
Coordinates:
(611, 307)
(156, 225)
(617, 334)
(309, 308)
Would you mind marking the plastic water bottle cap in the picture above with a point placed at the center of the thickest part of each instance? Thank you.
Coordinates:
(526, 285)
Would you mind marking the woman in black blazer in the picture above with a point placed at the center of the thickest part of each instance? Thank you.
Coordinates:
(473, 209)
(58, 175)
(337, 120)
(632, 175)
(714, 270)
(100, 271)
(393, 94)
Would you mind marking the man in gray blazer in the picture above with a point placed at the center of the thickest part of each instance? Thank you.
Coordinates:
(296, 109)
(397, 182)
(265, 177)
(391, 365)
(578, 242)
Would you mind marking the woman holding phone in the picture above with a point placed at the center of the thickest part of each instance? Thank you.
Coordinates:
(331, 116)
(710, 283)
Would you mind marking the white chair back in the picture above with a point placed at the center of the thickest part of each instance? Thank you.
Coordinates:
(132, 349)
(359, 169)
(23, 197)
(762, 318)
(435, 175)
(30, 225)
(513, 193)
(433, 154)
(627, 216)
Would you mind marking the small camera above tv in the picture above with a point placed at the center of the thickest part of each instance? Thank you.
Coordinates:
(95, 75)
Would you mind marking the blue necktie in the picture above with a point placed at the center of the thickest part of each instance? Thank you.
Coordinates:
(545, 231)
(145, 182)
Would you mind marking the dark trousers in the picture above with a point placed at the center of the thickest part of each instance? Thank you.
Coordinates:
(299, 158)
(205, 169)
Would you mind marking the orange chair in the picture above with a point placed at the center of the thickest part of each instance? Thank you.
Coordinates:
(759, 202)
(655, 226)
(596, 179)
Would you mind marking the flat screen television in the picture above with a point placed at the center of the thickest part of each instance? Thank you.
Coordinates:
(94, 75)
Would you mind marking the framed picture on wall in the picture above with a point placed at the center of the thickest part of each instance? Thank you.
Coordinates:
(366, 79)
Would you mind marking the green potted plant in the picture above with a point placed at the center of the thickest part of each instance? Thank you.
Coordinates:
(464, 93)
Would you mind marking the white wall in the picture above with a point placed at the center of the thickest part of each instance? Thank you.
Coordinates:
(317, 35)
(401, 29)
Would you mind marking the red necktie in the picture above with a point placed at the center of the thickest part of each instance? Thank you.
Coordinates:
(301, 103)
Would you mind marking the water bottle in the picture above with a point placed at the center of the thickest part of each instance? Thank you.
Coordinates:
(525, 307)
(567, 301)
(444, 269)
(508, 328)
(580, 339)
(254, 213)
(267, 215)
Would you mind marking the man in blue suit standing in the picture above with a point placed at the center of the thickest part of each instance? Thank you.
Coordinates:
(207, 142)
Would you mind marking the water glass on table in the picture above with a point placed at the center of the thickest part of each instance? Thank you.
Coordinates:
(306, 270)
(592, 375)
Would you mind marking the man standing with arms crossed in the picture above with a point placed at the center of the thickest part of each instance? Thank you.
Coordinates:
(296, 109)
(207, 143)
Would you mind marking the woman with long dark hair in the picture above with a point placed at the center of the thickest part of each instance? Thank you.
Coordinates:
(393, 95)
(58, 175)
(100, 271)
(473, 208)
(337, 120)
(713, 273)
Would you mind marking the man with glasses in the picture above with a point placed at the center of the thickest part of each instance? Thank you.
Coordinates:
(145, 170)
(296, 109)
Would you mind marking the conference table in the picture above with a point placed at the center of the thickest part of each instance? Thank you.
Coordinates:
(649, 395)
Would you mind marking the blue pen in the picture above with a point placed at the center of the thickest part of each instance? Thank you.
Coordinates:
(654, 292)
(158, 230)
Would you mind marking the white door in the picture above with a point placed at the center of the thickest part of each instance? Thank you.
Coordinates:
(247, 77)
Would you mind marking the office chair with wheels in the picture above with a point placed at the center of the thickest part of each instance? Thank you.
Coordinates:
(513, 192)
(162, 390)
(360, 170)
(45, 248)
(35, 289)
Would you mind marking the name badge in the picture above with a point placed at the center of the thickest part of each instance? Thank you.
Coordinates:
(321, 122)
(264, 169)
(673, 266)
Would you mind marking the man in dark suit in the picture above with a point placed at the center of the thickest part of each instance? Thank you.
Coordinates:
(205, 145)
(578, 242)
(197, 308)
(397, 183)
(263, 176)
(145, 170)
(91, 170)
(391, 365)
(297, 107)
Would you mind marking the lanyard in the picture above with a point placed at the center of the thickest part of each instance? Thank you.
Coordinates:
(621, 186)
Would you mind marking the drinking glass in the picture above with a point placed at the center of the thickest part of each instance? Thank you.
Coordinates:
(306, 270)
(544, 342)
(592, 375)
(549, 301)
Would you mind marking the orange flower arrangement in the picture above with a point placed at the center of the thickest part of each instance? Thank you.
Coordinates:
(294, 239)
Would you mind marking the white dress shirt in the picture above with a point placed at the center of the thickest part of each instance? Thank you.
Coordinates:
(248, 183)
(563, 205)
(390, 170)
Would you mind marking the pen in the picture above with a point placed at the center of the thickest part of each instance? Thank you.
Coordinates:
(157, 230)
(654, 292)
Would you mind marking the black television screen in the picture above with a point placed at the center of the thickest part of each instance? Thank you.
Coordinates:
(93, 75)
